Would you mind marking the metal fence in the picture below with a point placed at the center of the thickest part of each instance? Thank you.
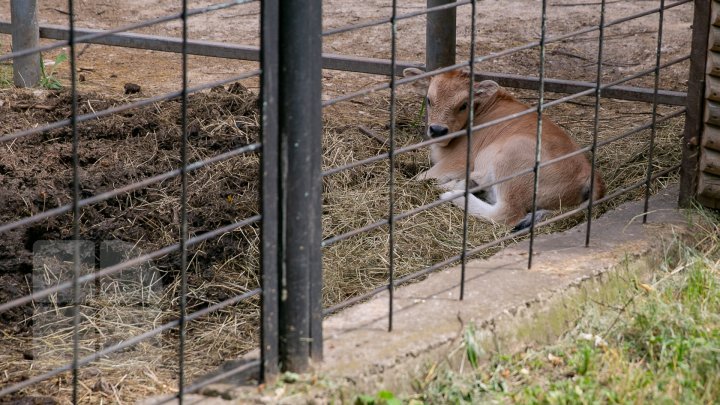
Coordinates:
(290, 64)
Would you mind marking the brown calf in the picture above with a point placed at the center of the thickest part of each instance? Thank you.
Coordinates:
(500, 151)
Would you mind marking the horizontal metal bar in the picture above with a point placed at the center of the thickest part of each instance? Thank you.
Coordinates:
(572, 86)
(369, 227)
(412, 276)
(128, 263)
(648, 125)
(125, 107)
(629, 93)
(154, 42)
(356, 163)
(194, 387)
(229, 373)
(129, 342)
(201, 48)
(99, 34)
(385, 86)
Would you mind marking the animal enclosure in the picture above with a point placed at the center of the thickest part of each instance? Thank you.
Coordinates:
(146, 236)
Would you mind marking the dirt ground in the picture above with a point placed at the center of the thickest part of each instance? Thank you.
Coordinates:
(35, 172)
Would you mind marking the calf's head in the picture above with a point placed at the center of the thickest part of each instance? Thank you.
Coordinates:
(447, 100)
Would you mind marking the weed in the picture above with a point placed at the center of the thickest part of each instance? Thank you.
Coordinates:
(6, 79)
(382, 398)
(472, 350)
(48, 79)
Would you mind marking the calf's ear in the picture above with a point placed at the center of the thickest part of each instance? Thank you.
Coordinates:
(486, 88)
(418, 86)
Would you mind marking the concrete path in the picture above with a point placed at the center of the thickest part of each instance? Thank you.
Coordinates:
(428, 316)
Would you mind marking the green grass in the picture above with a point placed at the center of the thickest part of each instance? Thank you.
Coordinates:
(6, 76)
(658, 342)
(48, 78)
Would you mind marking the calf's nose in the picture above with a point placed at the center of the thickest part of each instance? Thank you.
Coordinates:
(438, 130)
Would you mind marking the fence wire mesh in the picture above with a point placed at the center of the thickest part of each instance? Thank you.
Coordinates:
(275, 274)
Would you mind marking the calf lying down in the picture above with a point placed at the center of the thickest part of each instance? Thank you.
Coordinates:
(500, 151)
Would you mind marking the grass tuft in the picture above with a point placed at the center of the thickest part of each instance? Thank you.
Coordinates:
(663, 346)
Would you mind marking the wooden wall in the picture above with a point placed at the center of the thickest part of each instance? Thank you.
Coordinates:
(708, 191)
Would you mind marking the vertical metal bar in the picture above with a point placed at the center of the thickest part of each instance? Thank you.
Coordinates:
(391, 155)
(314, 53)
(695, 99)
(440, 36)
(183, 210)
(653, 130)
(470, 123)
(25, 35)
(596, 128)
(538, 142)
(270, 163)
(75, 203)
(301, 129)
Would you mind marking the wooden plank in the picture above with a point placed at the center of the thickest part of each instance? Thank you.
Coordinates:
(710, 161)
(695, 100)
(712, 89)
(708, 202)
(712, 113)
(711, 138)
(713, 67)
(709, 190)
(715, 39)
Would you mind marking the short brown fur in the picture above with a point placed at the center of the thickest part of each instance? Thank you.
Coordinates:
(501, 151)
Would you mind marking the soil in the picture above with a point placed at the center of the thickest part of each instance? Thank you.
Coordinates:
(36, 171)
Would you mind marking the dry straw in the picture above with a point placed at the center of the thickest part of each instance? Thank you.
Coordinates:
(121, 149)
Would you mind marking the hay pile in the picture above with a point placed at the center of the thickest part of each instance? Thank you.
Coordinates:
(125, 148)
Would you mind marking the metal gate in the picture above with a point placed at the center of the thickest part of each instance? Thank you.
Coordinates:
(291, 62)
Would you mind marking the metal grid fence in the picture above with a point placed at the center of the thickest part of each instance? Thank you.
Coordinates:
(290, 64)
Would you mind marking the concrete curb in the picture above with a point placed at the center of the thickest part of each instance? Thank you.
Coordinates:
(429, 317)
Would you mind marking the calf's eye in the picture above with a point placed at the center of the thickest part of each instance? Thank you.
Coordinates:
(427, 100)
(463, 107)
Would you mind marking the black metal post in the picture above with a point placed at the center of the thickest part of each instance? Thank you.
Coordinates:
(25, 35)
(391, 174)
(300, 43)
(440, 36)
(653, 128)
(538, 141)
(468, 150)
(270, 166)
(596, 126)
(695, 98)
(183, 237)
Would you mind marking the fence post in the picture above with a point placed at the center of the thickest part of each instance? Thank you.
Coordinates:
(695, 101)
(300, 46)
(270, 178)
(440, 36)
(25, 35)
